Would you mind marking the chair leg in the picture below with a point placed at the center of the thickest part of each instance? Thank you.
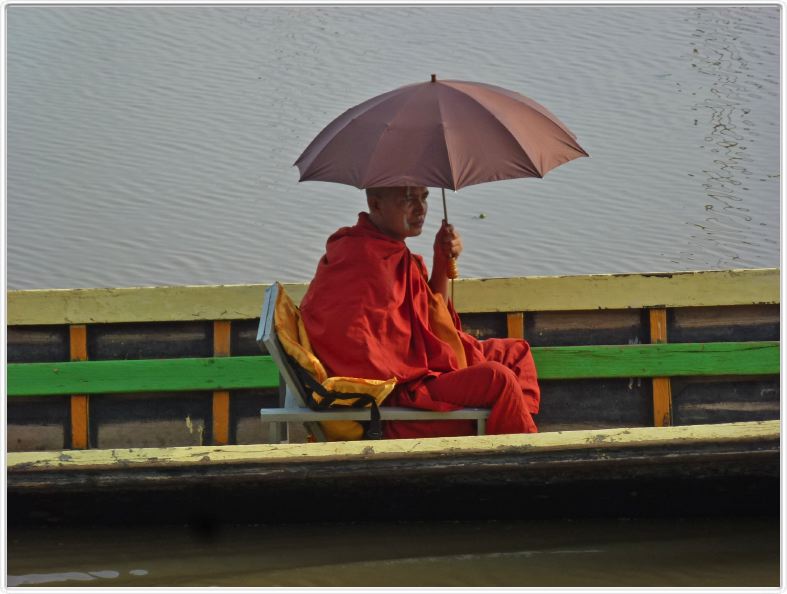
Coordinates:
(275, 432)
(279, 430)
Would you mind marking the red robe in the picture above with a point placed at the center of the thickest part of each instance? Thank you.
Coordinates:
(369, 312)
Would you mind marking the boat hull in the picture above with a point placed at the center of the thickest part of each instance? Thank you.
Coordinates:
(696, 469)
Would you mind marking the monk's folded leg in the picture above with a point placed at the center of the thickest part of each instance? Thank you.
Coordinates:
(483, 385)
(515, 354)
(510, 414)
(487, 385)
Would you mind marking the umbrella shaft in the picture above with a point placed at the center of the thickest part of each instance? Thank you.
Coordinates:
(453, 272)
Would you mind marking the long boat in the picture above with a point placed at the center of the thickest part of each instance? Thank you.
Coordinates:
(652, 383)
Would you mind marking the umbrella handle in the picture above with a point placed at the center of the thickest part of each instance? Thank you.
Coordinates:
(453, 271)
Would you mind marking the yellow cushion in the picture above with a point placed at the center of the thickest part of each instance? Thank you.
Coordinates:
(293, 338)
(377, 389)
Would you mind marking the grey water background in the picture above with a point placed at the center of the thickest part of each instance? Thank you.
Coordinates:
(154, 145)
(627, 553)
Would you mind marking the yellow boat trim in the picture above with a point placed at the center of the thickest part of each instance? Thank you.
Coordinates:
(525, 294)
(619, 291)
(400, 448)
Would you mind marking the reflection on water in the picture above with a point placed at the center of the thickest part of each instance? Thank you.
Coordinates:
(721, 552)
(726, 63)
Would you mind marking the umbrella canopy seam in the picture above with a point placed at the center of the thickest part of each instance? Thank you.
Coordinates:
(447, 147)
(506, 131)
(372, 153)
(328, 136)
(541, 112)
(520, 98)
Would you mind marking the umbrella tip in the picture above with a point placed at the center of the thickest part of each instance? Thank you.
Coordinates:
(434, 78)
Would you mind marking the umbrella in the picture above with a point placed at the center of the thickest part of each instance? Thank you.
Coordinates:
(441, 133)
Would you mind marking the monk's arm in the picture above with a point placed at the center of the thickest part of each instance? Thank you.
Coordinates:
(447, 245)
(439, 279)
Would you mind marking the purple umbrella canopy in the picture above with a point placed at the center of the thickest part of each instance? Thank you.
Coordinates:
(442, 133)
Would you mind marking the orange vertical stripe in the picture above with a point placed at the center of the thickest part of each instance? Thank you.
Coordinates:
(78, 335)
(662, 390)
(221, 417)
(221, 398)
(516, 325)
(221, 338)
(80, 404)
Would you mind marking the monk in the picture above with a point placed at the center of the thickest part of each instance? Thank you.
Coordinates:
(372, 312)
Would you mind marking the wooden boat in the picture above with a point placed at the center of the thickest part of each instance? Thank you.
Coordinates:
(685, 389)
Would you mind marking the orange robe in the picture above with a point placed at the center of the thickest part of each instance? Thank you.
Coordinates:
(369, 312)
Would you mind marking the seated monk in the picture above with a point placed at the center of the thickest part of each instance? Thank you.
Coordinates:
(371, 312)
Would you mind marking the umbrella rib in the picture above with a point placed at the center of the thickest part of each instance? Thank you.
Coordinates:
(547, 115)
(504, 127)
(362, 108)
(445, 142)
(532, 103)
(570, 134)
(553, 119)
(380, 137)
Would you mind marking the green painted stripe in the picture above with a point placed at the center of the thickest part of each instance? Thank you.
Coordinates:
(228, 373)
(657, 360)
(148, 375)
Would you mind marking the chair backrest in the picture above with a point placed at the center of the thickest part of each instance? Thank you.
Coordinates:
(268, 340)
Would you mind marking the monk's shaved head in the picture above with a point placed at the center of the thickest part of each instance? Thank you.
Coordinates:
(389, 192)
(385, 192)
(399, 211)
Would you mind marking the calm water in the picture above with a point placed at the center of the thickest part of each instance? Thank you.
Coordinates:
(631, 553)
(153, 145)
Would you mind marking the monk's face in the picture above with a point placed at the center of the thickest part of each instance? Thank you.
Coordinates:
(399, 212)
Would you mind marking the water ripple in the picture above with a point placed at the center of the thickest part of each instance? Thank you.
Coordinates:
(154, 145)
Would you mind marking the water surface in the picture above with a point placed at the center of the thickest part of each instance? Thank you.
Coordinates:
(154, 145)
(603, 553)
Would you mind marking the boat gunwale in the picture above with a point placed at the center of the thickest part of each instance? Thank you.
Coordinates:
(756, 286)
(530, 445)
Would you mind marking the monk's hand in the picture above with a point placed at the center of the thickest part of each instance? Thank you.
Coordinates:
(447, 245)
